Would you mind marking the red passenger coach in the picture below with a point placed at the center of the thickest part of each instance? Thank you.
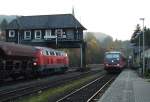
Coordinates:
(114, 61)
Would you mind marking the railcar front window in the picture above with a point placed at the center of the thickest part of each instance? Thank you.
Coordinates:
(112, 56)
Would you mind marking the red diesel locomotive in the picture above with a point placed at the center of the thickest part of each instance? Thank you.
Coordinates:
(49, 60)
(114, 61)
(22, 60)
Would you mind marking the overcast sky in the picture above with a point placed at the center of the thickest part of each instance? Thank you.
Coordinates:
(117, 18)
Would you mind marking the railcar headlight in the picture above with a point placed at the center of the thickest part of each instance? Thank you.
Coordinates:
(118, 64)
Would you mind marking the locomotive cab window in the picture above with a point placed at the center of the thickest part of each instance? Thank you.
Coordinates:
(44, 52)
(11, 33)
(47, 52)
(52, 53)
(57, 54)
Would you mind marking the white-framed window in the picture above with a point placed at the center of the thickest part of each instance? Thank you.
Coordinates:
(48, 34)
(11, 33)
(37, 34)
(27, 34)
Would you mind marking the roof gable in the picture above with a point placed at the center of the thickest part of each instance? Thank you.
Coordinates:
(45, 21)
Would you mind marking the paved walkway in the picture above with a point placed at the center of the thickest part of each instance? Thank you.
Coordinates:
(128, 87)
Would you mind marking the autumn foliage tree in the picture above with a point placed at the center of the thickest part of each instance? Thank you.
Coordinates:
(94, 50)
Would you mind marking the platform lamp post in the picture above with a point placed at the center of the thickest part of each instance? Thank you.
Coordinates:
(143, 46)
(139, 35)
(56, 41)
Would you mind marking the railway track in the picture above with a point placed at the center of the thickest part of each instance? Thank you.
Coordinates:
(95, 97)
(15, 93)
(10, 81)
(89, 92)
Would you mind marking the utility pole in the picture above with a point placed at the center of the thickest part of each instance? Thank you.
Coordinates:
(18, 22)
(56, 40)
(143, 46)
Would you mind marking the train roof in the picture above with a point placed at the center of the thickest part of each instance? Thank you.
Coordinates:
(12, 49)
(42, 48)
(113, 52)
(46, 48)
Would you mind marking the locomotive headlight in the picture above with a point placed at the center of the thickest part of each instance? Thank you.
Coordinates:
(35, 64)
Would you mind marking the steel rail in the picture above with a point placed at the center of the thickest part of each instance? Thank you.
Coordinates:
(79, 89)
(92, 97)
(30, 89)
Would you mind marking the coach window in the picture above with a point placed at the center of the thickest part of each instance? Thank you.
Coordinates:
(37, 34)
(27, 35)
(11, 33)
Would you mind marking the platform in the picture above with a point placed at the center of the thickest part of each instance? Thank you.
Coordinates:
(128, 87)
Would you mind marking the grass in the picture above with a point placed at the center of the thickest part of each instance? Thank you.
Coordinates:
(53, 92)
